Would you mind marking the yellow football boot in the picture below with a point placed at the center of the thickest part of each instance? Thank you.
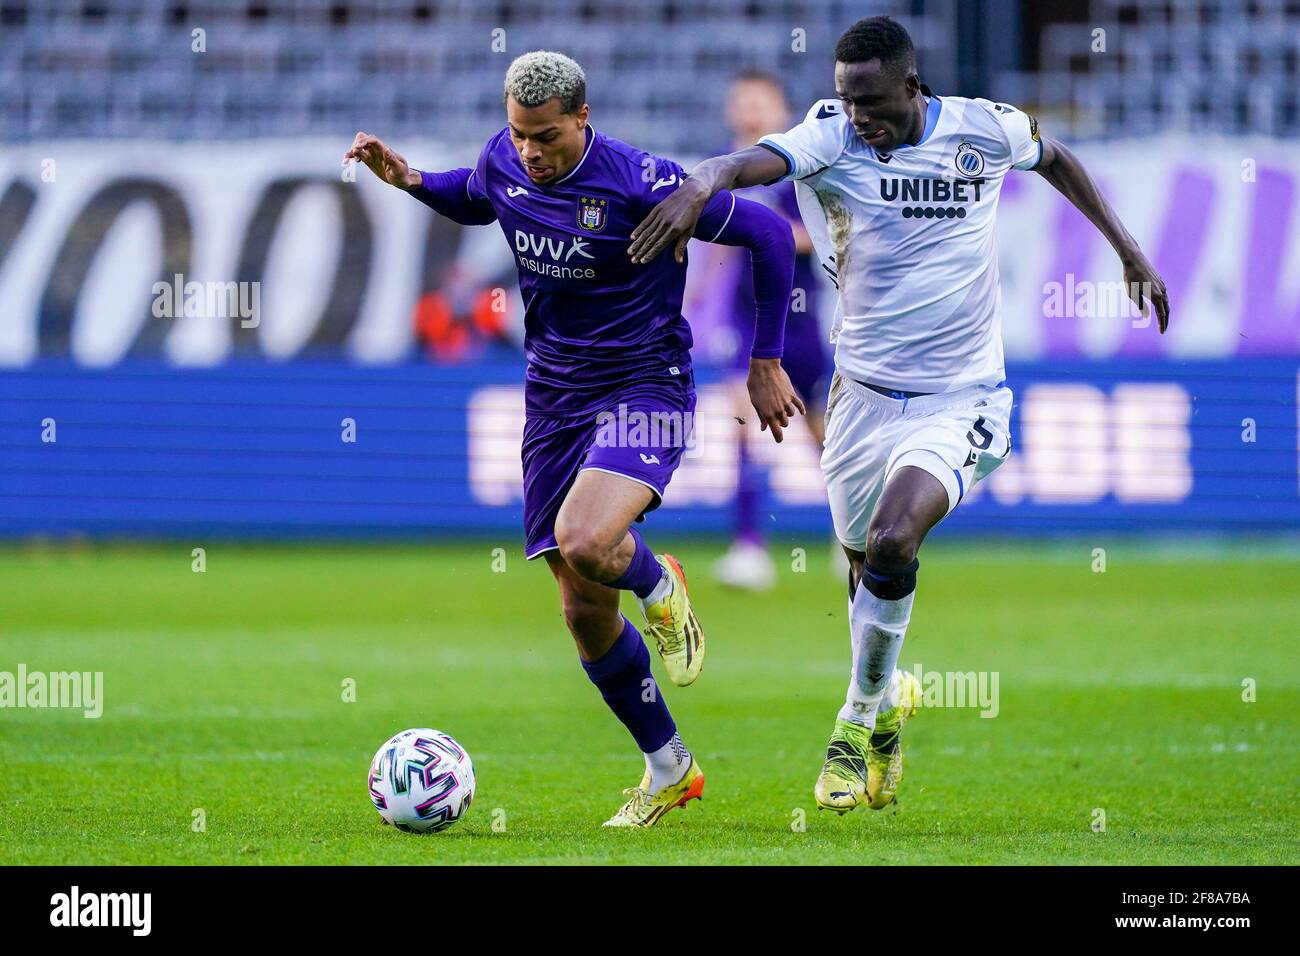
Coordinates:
(645, 809)
(843, 781)
(885, 749)
(674, 627)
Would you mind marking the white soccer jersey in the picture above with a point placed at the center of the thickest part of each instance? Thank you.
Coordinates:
(908, 238)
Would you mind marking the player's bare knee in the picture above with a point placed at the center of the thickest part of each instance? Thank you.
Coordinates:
(891, 547)
(589, 558)
(586, 552)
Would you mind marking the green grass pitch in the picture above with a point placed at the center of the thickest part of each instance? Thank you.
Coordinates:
(1119, 691)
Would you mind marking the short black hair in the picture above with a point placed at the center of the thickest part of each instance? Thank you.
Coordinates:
(880, 38)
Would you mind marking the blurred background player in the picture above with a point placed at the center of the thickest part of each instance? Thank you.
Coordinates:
(757, 105)
(607, 346)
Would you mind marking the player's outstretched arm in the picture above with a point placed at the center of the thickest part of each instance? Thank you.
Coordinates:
(444, 193)
(1062, 169)
(674, 219)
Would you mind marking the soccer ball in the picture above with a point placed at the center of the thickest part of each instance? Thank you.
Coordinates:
(421, 781)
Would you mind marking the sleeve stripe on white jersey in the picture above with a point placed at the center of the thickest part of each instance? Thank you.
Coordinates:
(789, 161)
(1035, 163)
(725, 221)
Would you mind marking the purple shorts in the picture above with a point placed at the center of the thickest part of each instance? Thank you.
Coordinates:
(640, 432)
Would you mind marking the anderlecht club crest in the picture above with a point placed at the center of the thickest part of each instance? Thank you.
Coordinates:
(591, 213)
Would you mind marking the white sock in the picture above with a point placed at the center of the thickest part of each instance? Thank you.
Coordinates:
(668, 764)
(892, 694)
(661, 591)
(876, 628)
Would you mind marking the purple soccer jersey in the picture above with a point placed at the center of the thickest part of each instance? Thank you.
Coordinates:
(592, 318)
(601, 334)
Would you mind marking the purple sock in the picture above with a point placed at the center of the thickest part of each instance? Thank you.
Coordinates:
(748, 495)
(643, 573)
(621, 677)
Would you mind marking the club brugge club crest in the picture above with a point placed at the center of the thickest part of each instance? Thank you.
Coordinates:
(591, 213)
(969, 160)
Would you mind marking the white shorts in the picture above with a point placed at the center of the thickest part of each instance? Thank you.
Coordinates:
(959, 437)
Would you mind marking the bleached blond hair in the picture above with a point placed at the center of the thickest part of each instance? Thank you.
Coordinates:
(536, 77)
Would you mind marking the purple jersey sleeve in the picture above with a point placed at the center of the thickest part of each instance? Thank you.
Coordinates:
(767, 236)
(451, 194)
(716, 217)
(459, 194)
(731, 221)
